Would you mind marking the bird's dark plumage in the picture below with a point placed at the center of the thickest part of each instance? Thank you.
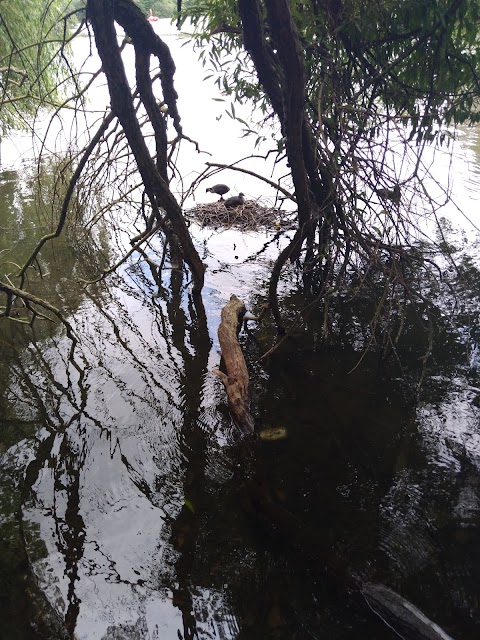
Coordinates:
(235, 201)
(390, 194)
(219, 189)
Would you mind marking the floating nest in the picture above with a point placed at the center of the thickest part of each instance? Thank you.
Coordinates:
(250, 216)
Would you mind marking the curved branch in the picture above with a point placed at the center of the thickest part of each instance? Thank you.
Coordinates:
(268, 71)
(291, 249)
(131, 18)
(102, 15)
(29, 299)
(71, 188)
(290, 54)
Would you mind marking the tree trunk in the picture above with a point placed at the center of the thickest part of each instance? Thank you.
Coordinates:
(102, 14)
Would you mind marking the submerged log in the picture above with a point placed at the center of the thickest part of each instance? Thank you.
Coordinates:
(400, 614)
(235, 377)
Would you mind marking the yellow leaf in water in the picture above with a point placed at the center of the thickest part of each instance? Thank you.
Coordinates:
(273, 433)
(189, 504)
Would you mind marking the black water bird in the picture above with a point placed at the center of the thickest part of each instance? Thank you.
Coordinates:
(235, 201)
(390, 194)
(219, 189)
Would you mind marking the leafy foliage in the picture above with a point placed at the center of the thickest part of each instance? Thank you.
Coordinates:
(33, 62)
(356, 89)
(416, 60)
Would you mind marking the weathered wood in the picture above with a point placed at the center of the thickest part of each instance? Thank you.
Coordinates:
(235, 377)
(401, 615)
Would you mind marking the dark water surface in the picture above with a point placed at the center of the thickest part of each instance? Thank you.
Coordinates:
(119, 515)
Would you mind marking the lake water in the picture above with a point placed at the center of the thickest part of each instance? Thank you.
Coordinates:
(118, 514)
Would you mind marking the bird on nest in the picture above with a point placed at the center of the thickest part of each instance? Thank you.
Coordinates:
(235, 201)
(219, 189)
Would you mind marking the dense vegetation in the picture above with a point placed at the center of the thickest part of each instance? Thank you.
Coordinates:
(351, 92)
(33, 58)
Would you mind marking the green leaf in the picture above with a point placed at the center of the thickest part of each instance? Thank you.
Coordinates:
(189, 505)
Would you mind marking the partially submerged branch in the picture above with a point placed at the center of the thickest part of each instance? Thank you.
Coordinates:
(400, 614)
(235, 376)
(33, 304)
(66, 201)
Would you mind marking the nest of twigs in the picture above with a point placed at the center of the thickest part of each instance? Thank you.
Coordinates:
(250, 216)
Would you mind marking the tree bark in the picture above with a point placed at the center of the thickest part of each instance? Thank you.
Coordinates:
(235, 377)
(279, 63)
(102, 14)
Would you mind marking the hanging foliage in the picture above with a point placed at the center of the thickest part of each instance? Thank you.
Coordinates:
(34, 68)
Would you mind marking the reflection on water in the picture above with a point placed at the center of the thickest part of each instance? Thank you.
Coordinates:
(105, 471)
(117, 496)
(118, 517)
